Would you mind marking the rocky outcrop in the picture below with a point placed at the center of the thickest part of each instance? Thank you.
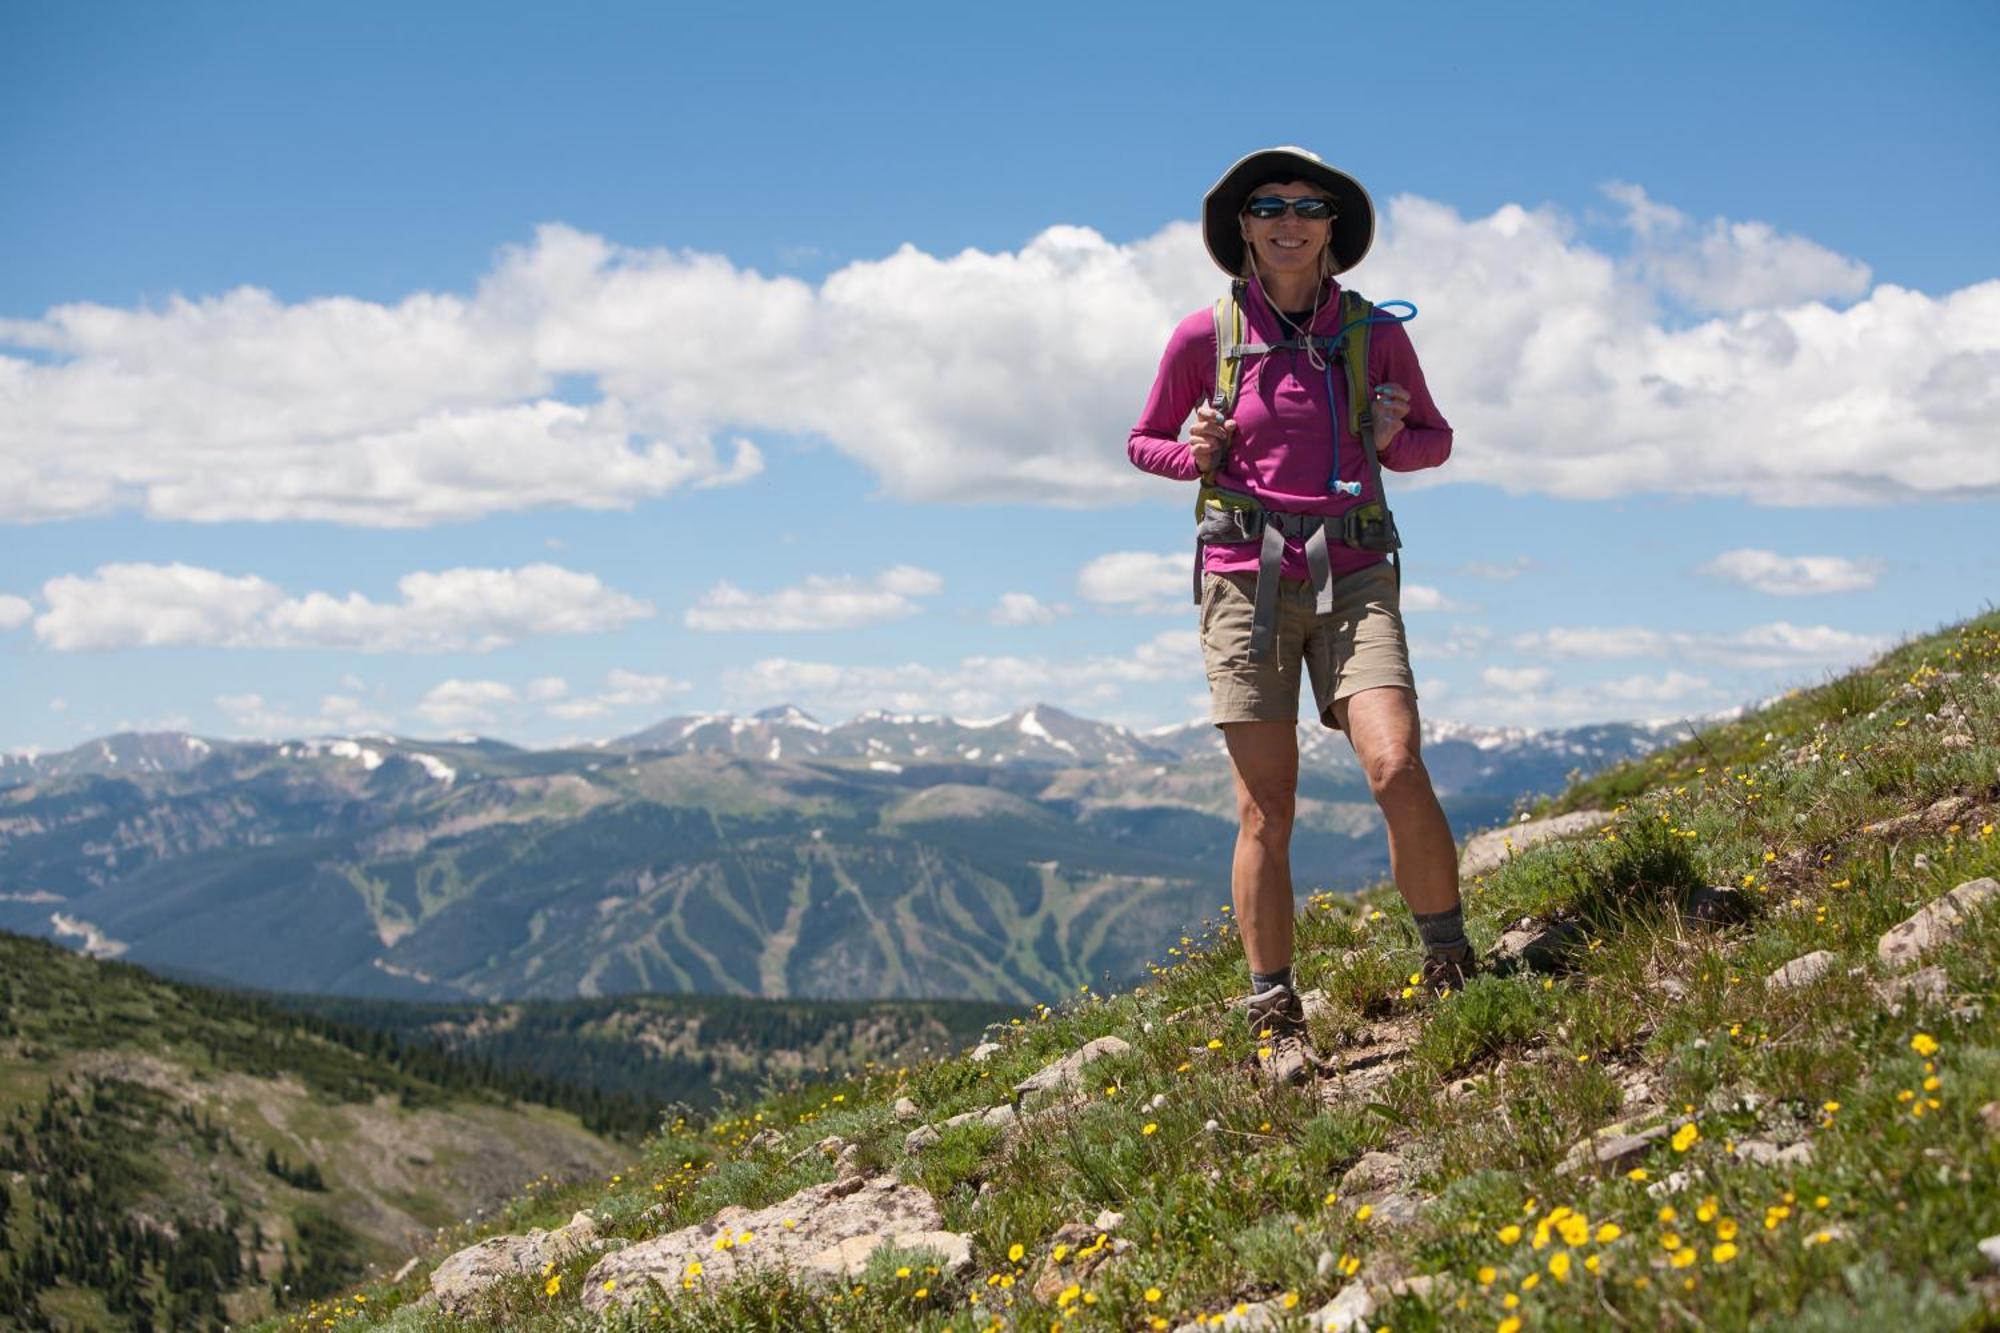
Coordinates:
(1067, 1073)
(1802, 971)
(1492, 849)
(823, 1232)
(1935, 923)
(457, 1283)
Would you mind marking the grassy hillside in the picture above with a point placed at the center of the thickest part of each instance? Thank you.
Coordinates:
(178, 1157)
(1813, 1157)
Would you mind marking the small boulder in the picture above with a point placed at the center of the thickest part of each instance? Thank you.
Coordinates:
(1761, 1152)
(458, 1282)
(920, 1138)
(1375, 1171)
(1990, 1247)
(1716, 905)
(1935, 923)
(1536, 945)
(906, 1110)
(1802, 971)
(1926, 985)
(984, 1051)
(1494, 848)
(1066, 1073)
(1348, 1312)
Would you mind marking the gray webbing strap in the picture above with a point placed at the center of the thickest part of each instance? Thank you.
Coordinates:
(1320, 564)
(1264, 618)
(1311, 529)
(1198, 544)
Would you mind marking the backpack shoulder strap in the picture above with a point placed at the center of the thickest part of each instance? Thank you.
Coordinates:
(1355, 317)
(1229, 333)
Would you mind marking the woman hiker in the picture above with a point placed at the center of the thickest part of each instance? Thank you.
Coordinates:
(1282, 223)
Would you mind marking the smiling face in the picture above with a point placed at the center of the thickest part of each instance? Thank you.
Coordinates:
(1288, 246)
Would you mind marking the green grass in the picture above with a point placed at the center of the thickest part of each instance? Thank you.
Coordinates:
(1233, 1197)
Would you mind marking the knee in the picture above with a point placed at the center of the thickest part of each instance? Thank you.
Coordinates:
(1396, 771)
(1266, 808)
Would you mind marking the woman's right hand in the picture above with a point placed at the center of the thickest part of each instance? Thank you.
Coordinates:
(1209, 437)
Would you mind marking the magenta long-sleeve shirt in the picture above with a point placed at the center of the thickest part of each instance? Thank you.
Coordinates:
(1283, 452)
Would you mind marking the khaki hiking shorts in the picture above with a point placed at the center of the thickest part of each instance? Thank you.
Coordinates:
(1359, 646)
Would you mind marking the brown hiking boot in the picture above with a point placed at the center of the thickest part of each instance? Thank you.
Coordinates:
(1447, 972)
(1278, 1025)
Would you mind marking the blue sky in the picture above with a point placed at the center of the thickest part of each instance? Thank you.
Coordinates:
(541, 373)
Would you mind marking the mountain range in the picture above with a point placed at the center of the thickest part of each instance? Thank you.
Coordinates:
(894, 855)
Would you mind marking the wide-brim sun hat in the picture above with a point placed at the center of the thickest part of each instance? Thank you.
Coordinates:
(1354, 211)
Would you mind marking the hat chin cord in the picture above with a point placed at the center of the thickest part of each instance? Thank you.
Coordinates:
(1313, 356)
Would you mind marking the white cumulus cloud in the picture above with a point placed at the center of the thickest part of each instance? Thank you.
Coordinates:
(1021, 608)
(453, 610)
(1773, 646)
(1515, 678)
(1792, 575)
(1423, 597)
(252, 717)
(1575, 370)
(622, 689)
(823, 601)
(14, 611)
(1728, 266)
(1142, 581)
(459, 704)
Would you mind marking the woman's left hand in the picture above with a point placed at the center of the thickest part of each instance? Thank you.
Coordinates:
(1392, 404)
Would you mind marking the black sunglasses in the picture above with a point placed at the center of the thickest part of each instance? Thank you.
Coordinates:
(1311, 208)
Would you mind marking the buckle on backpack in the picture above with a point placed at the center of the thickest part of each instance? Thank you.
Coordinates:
(1370, 527)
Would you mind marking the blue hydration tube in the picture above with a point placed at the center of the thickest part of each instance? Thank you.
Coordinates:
(1379, 315)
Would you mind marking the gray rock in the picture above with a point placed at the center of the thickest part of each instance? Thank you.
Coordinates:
(1990, 1247)
(766, 1140)
(1540, 946)
(820, 1233)
(920, 1138)
(1486, 851)
(1937, 816)
(906, 1110)
(458, 1282)
(983, 1052)
(849, 1258)
(1926, 985)
(1802, 971)
(1375, 1171)
(1935, 923)
(1395, 1209)
(1348, 1312)
(1611, 1146)
(1067, 1073)
(1764, 1153)
(1716, 905)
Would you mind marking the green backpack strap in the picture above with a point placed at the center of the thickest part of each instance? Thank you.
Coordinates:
(1230, 329)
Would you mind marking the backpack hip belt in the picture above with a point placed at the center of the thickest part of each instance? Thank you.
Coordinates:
(1228, 516)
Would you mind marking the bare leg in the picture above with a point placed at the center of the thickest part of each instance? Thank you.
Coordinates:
(1381, 724)
(1264, 757)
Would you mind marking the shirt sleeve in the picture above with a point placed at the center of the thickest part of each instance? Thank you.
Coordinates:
(1425, 440)
(1155, 444)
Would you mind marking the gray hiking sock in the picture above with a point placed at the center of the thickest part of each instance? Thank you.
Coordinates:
(1263, 981)
(1443, 932)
